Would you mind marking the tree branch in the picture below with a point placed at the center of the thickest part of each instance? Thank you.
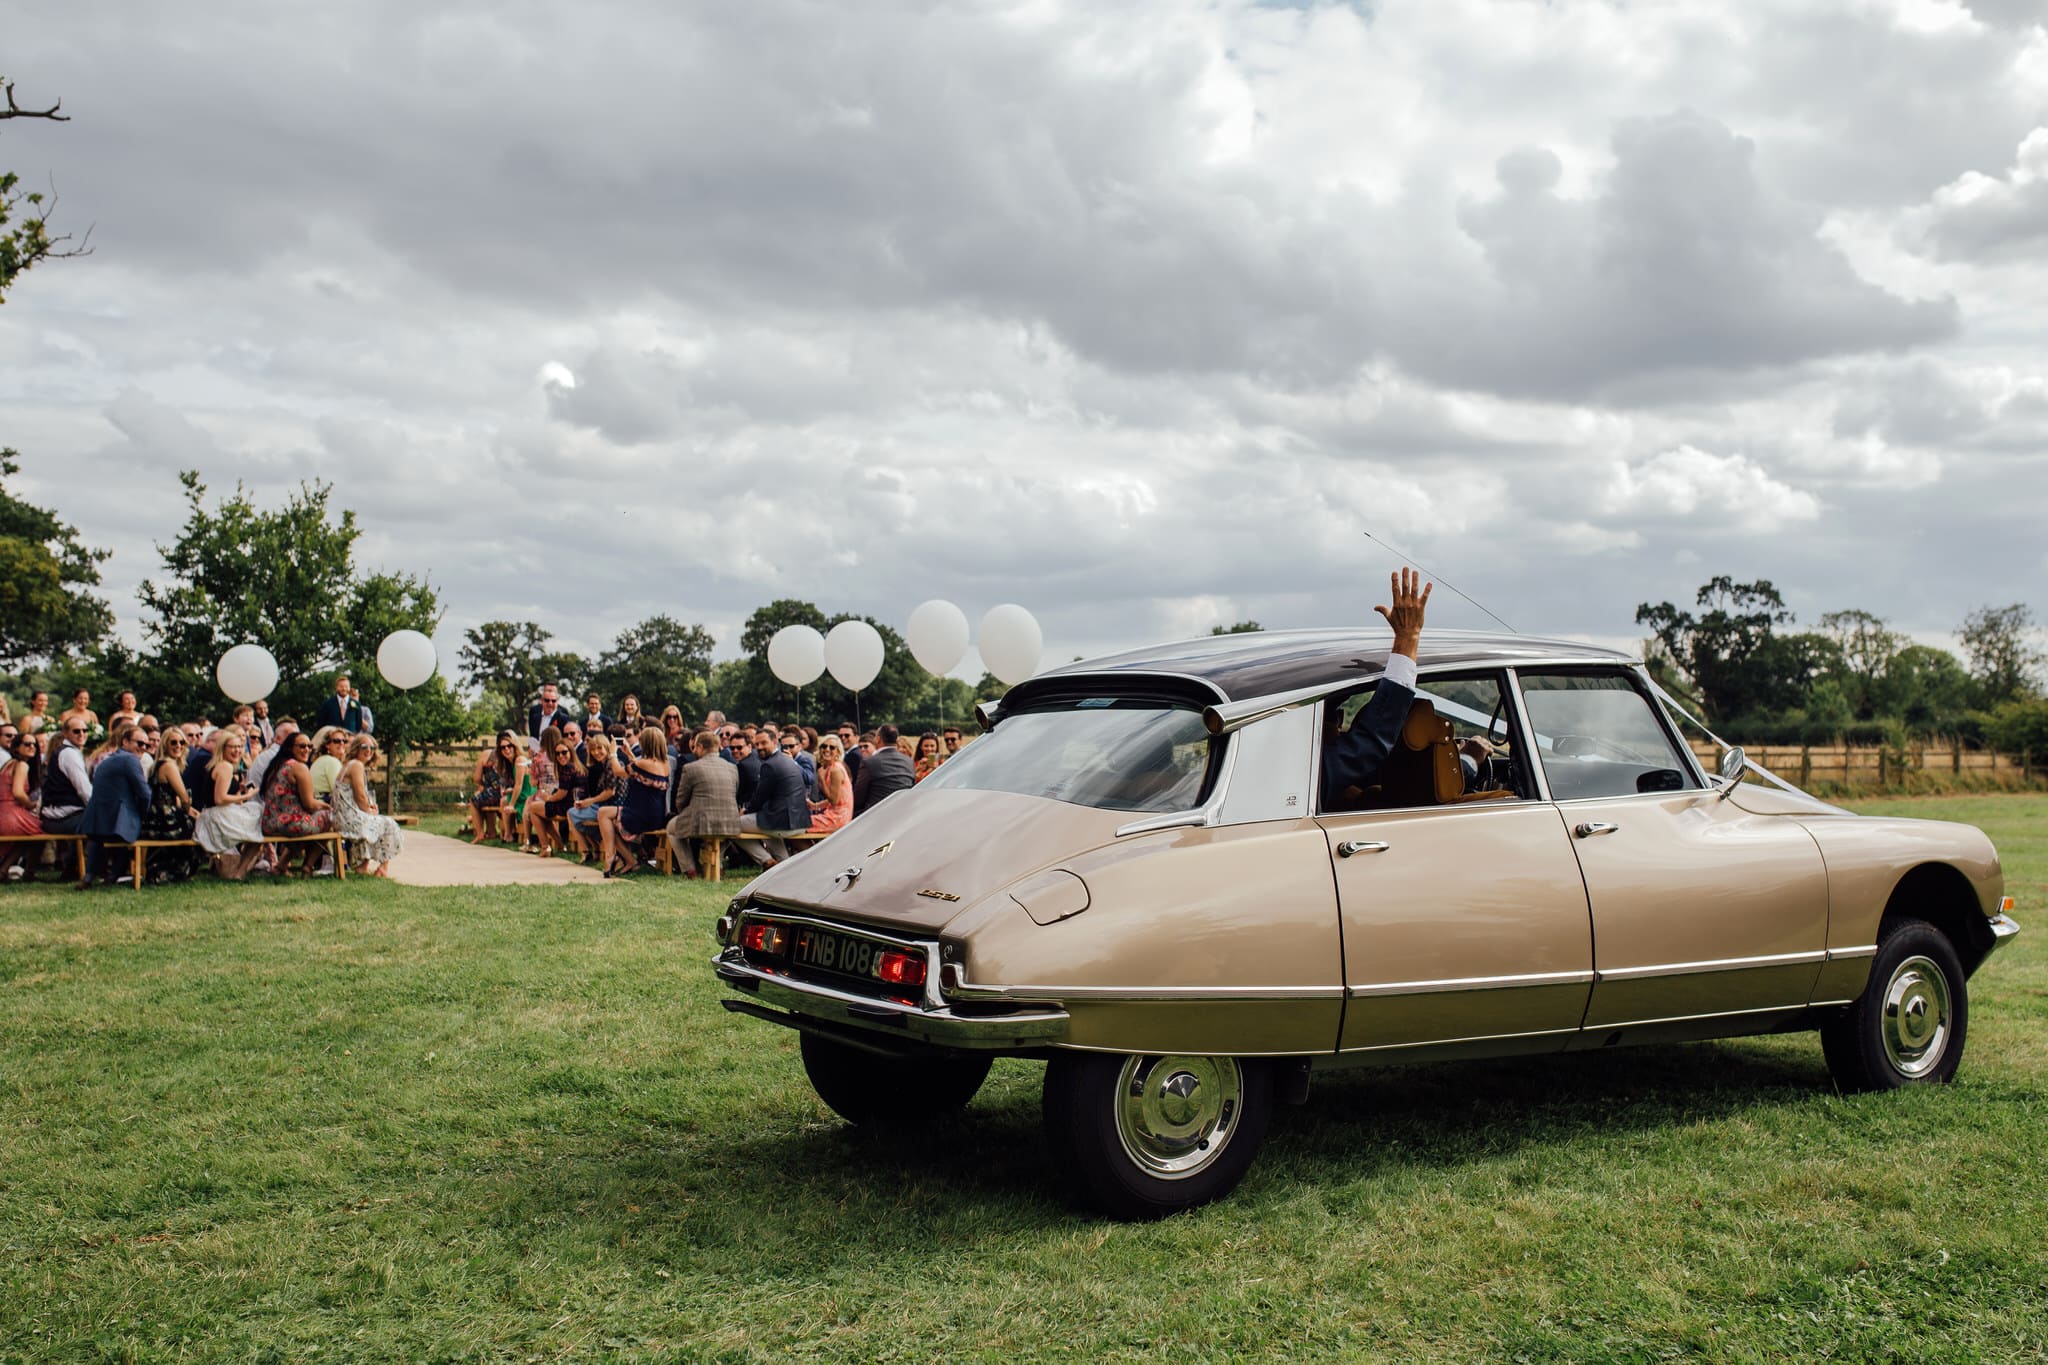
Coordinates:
(14, 110)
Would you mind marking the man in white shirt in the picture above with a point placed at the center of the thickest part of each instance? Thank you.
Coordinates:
(66, 786)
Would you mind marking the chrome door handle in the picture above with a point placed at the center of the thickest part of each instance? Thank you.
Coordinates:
(1588, 828)
(1351, 846)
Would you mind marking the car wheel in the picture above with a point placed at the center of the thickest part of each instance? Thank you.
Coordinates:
(866, 1087)
(1908, 1026)
(1143, 1136)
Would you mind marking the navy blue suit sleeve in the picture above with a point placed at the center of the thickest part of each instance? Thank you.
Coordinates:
(1355, 757)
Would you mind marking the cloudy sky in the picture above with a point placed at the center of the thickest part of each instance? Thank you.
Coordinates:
(1140, 315)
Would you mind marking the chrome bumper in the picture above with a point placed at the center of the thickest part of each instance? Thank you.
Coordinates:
(937, 1026)
(2003, 927)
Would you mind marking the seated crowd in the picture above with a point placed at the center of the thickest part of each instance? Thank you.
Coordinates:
(226, 793)
(601, 787)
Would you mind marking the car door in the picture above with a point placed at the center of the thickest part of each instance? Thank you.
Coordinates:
(1464, 925)
(1700, 909)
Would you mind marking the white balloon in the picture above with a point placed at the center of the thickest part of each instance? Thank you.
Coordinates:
(247, 673)
(937, 636)
(1010, 642)
(406, 659)
(796, 654)
(853, 651)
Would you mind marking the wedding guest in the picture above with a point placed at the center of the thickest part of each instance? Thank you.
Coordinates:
(230, 827)
(261, 763)
(290, 809)
(545, 712)
(170, 812)
(67, 787)
(705, 804)
(38, 718)
(535, 818)
(643, 809)
(779, 808)
(124, 710)
(80, 709)
(849, 748)
(885, 771)
(9, 732)
(369, 721)
(929, 756)
(954, 742)
(21, 784)
(630, 717)
(595, 721)
(119, 800)
(497, 772)
(263, 725)
(373, 839)
(835, 788)
(330, 749)
(598, 791)
(340, 709)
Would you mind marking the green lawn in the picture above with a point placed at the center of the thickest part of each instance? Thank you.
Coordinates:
(320, 1121)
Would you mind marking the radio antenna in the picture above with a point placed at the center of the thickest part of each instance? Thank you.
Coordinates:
(1439, 578)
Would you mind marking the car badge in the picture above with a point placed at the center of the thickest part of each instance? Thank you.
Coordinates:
(938, 895)
(878, 852)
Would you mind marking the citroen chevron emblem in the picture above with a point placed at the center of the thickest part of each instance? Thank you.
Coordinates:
(878, 852)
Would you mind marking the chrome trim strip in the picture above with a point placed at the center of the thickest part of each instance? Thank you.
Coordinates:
(1725, 964)
(928, 947)
(1844, 954)
(1452, 1042)
(1591, 1029)
(961, 989)
(1827, 1004)
(1470, 983)
(896, 1019)
(2003, 927)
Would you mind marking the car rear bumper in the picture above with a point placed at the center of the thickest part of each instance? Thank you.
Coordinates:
(940, 1026)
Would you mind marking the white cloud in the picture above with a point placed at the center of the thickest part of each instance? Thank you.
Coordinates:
(1690, 484)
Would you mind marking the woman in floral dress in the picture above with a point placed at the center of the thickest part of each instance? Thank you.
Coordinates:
(290, 809)
(373, 839)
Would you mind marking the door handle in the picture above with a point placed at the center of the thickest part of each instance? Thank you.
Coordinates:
(1351, 846)
(1588, 828)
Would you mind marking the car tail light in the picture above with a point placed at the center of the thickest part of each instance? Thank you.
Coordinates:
(900, 969)
(763, 937)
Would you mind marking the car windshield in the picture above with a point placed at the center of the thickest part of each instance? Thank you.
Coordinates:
(1108, 752)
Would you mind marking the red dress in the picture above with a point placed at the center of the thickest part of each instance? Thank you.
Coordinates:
(16, 820)
(837, 812)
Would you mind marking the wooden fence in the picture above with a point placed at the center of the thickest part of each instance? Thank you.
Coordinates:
(440, 776)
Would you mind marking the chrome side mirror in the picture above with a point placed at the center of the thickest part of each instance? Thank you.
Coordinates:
(1733, 764)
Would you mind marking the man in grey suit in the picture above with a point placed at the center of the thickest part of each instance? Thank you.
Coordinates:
(883, 772)
(120, 797)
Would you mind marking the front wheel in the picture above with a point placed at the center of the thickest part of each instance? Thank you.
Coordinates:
(1142, 1137)
(866, 1087)
(1908, 1026)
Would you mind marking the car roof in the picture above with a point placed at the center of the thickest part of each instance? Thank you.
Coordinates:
(1263, 663)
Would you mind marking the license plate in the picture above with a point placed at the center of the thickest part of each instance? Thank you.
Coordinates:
(845, 954)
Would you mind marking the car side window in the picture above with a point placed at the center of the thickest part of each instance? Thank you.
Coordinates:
(1597, 735)
(1430, 763)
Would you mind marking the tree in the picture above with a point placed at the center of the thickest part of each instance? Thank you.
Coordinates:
(508, 661)
(663, 662)
(1866, 647)
(900, 690)
(1240, 628)
(29, 241)
(1726, 649)
(1925, 687)
(2003, 657)
(45, 569)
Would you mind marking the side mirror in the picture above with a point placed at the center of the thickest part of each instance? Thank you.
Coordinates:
(1733, 764)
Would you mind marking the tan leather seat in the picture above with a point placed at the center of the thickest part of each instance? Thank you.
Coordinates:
(1423, 769)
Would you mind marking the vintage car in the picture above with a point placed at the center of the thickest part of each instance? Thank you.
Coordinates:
(1136, 876)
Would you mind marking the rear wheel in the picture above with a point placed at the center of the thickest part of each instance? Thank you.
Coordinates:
(866, 1087)
(1144, 1136)
(1908, 1026)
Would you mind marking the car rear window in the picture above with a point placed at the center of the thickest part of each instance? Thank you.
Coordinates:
(1113, 753)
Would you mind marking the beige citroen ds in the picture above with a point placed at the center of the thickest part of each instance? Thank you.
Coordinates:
(1138, 876)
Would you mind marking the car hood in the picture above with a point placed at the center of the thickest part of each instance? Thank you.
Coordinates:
(965, 844)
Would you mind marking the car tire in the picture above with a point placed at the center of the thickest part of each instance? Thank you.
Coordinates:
(1140, 1137)
(1909, 1025)
(868, 1088)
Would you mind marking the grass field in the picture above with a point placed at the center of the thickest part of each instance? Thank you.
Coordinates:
(338, 1122)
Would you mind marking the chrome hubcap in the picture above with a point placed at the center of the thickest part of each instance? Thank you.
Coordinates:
(1916, 1018)
(1175, 1115)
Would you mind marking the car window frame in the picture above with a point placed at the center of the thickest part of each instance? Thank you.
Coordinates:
(1518, 724)
(1638, 681)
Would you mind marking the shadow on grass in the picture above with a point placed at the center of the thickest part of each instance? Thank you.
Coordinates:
(819, 1183)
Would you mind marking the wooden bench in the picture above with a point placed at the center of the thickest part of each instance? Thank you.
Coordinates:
(77, 841)
(139, 851)
(712, 865)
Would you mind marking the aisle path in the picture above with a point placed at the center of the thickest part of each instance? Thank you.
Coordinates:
(437, 860)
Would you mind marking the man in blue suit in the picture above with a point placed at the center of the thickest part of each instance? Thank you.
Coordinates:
(341, 709)
(1354, 758)
(780, 804)
(120, 797)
